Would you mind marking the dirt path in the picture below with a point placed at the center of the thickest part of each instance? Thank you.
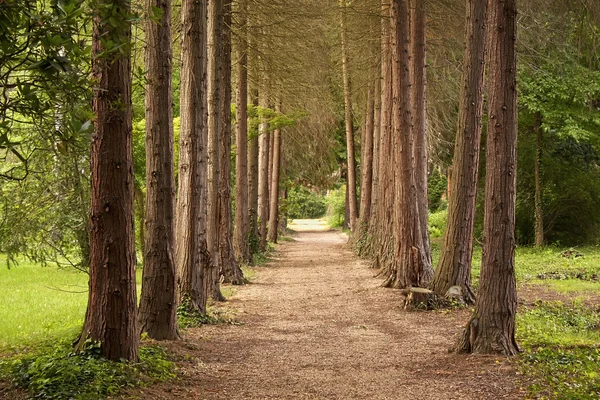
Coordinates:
(317, 325)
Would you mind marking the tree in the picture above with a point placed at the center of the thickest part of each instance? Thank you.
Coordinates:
(230, 269)
(276, 167)
(419, 85)
(242, 223)
(263, 170)
(492, 327)
(191, 252)
(111, 316)
(351, 165)
(411, 263)
(158, 305)
(216, 81)
(454, 266)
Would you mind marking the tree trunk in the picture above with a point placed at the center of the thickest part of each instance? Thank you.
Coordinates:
(411, 263)
(263, 175)
(419, 87)
(111, 316)
(216, 81)
(242, 222)
(191, 250)
(158, 305)
(366, 181)
(351, 181)
(230, 269)
(454, 266)
(253, 156)
(140, 214)
(492, 327)
(539, 216)
(373, 234)
(274, 203)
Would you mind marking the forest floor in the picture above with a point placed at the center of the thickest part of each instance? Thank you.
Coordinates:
(315, 323)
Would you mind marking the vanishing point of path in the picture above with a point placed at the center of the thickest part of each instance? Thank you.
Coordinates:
(317, 325)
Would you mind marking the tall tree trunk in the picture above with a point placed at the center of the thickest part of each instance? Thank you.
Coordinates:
(454, 266)
(216, 83)
(253, 156)
(263, 174)
(111, 316)
(274, 203)
(385, 239)
(492, 327)
(366, 181)
(419, 87)
(158, 305)
(230, 269)
(351, 181)
(539, 216)
(411, 263)
(373, 223)
(191, 250)
(140, 215)
(242, 222)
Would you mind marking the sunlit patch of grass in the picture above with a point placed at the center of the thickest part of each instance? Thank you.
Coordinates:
(560, 350)
(570, 286)
(40, 303)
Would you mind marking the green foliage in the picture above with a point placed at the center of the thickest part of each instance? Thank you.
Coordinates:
(436, 186)
(304, 204)
(55, 371)
(336, 206)
(189, 317)
(437, 223)
(560, 350)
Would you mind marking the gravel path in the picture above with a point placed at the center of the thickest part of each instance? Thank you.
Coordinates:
(317, 325)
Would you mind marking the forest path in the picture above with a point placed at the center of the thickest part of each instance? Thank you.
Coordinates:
(317, 325)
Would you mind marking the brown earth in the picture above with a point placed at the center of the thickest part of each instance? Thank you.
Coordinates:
(315, 324)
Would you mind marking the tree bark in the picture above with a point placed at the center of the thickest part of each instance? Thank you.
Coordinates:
(263, 174)
(242, 222)
(191, 250)
(216, 82)
(539, 216)
(419, 88)
(111, 316)
(230, 269)
(158, 305)
(454, 266)
(351, 181)
(411, 263)
(274, 203)
(253, 156)
(492, 327)
(366, 181)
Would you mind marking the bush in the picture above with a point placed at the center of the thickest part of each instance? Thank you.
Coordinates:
(304, 204)
(436, 186)
(57, 372)
(437, 223)
(336, 206)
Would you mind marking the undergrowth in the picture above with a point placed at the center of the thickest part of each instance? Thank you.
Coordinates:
(561, 353)
(55, 371)
(188, 317)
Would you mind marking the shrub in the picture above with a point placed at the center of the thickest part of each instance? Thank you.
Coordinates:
(304, 204)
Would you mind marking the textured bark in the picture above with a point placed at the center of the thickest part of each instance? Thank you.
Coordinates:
(158, 305)
(385, 239)
(492, 327)
(242, 222)
(374, 221)
(419, 87)
(111, 316)
(351, 175)
(263, 175)
(454, 266)
(253, 153)
(140, 216)
(411, 264)
(191, 248)
(539, 216)
(366, 181)
(230, 269)
(216, 82)
(274, 203)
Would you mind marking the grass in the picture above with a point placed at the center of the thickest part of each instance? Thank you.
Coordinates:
(40, 303)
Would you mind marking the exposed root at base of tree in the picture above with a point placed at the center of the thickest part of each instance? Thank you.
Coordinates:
(480, 339)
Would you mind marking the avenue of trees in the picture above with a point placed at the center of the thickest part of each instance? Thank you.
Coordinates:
(168, 133)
